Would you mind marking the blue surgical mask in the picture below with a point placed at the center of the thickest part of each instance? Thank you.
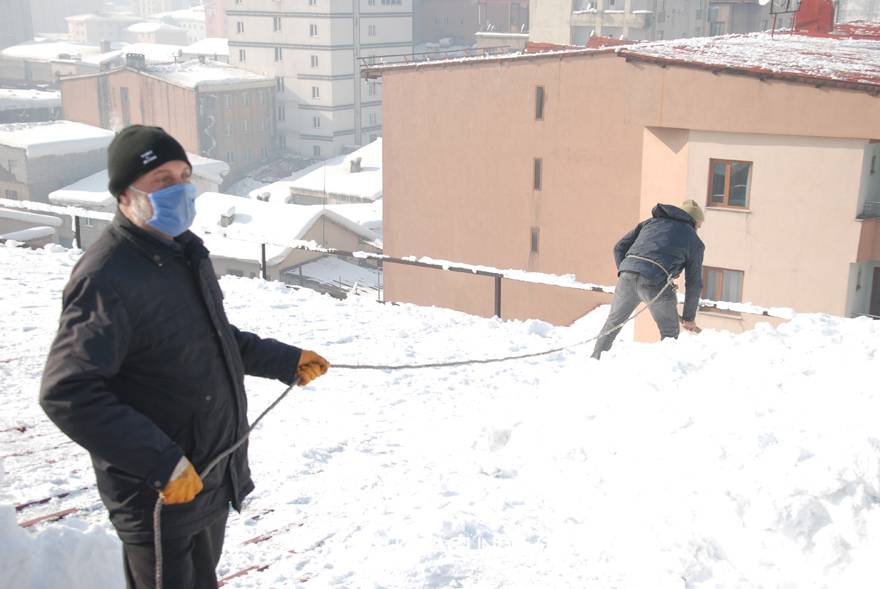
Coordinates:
(174, 208)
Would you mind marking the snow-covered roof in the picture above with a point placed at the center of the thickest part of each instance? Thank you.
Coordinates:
(28, 217)
(54, 137)
(29, 234)
(91, 16)
(334, 177)
(152, 27)
(91, 192)
(49, 50)
(194, 74)
(368, 215)
(273, 222)
(155, 53)
(209, 46)
(22, 99)
(835, 59)
(192, 14)
(848, 57)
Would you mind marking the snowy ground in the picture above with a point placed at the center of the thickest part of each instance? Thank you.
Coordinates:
(717, 460)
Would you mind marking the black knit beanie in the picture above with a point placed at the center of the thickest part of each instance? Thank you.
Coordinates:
(135, 151)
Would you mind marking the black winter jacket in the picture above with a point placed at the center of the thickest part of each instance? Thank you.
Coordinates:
(146, 368)
(670, 239)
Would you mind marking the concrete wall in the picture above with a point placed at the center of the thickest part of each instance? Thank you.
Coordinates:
(550, 21)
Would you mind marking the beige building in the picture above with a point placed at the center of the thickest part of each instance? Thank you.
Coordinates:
(95, 28)
(157, 33)
(565, 152)
(213, 109)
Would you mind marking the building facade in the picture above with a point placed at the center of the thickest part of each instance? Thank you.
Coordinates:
(549, 184)
(213, 109)
(97, 28)
(313, 50)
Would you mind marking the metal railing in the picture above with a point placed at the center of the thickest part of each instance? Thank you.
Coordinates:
(375, 61)
(498, 275)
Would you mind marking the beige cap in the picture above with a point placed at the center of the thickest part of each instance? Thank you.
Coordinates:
(691, 207)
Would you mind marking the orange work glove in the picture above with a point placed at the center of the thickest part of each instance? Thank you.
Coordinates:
(184, 485)
(310, 367)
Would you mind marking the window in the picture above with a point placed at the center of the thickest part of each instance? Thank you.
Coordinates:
(229, 129)
(371, 30)
(716, 28)
(123, 99)
(373, 118)
(282, 141)
(313, 2)
(539, 103)
(12, 194)
(279, 55)
(279, 83)
(262, 96)
(316, 92)
(242, 55)
(537, 173)
(245, 98)
(729, 182)
(10, 165)
(239, 26)
(536, 235)
(316, 122)
(87, 222)
(314, 61)
(873, 164)
(228, 99)
(371, 2)
(316, 150)
(313, 30)
(722, 285)
(230, 156)
(281, 113)
(244, 127)
(276, 23)
(371, 89)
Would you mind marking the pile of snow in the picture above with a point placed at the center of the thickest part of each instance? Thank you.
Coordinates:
(717, 460)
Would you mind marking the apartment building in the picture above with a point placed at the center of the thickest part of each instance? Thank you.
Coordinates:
(313, 50)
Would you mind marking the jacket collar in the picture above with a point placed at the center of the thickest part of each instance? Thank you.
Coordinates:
(158, 250)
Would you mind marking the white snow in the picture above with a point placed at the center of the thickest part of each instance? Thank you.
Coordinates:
(54, 137)
(334, 177)
(91, 192)
(11, 99)
(151, 27)
(154, 53)
(210, 47)
(29, 234)
(194, 74)
(718, 460)
(49, 50)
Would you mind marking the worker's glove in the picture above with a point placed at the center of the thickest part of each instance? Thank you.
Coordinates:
(310, 367)
(184, 485)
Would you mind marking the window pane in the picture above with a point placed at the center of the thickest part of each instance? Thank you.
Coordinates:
(710, 285)
(732, 286)
(739, 183)
(719, 170)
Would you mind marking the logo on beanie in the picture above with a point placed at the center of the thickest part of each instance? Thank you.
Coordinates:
(148, 156)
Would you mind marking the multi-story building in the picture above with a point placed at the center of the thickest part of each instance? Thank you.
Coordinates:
(43, 62)
(157, 33)
(37, 158)
(215, 18)
(573, 22)
(192, 20)
(95, 28)
(16, 26)
(49, 16)
(742, 16)
(213, 109)
(777, 137)
(151, 7)
(438, 19)
(313, 49)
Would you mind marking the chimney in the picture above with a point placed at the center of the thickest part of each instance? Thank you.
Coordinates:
(105, 46)
(227, 217)
(202, 59)
(355, 165)
(136, 61)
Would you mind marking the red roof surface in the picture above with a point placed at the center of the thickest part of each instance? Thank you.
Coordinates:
(821, 59)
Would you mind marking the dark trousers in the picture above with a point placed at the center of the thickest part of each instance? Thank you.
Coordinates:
(188, 563)
(632, 288)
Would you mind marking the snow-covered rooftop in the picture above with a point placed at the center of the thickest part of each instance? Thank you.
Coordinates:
(152, 27)
(273, 222)
(209, 46)
(334, 177)
(783, 55)
(91, 192)
(192, 14)
(155, 53)
(54, 138)
(194, 74)
(22, 99)
(49, 50)
(91, 16)
(850, 56)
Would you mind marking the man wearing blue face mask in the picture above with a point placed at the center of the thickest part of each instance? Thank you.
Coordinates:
(147, 373)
